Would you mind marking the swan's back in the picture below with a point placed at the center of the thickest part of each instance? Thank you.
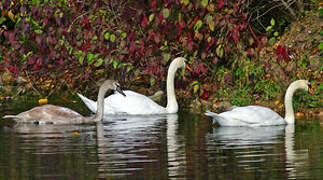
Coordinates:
(250, 116)
(134, 103)
(49, 114)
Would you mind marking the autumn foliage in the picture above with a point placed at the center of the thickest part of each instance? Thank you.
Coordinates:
(70, 41)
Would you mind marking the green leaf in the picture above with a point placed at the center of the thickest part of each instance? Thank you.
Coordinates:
(272, 41)
(38, 31)
(2, 19)
(185, 2)
(98, 62)
(166, 56)
(78, 53)
(95, 38)
(151, 17)
(166, 12)
(90, 58)
(112, 38)
(204, 3)
(198, 25)
(320, 87)
(320, 46)
(212, 26)
(123, 34)
(269, 28)
(219, 51)
(195, 85)
(152, 81)
(209, 18)
(107, 35)
(276, 33)
(272, 22)
(81, 59)
(115, 64)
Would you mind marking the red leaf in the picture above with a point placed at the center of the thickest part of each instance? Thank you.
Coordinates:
(157, 38)
(153, 4)
(205, 95)
(31, 60)
(144, 22)
(235, 36)
(190, 45)
(220, 4)
(235, 5)
(35, 67)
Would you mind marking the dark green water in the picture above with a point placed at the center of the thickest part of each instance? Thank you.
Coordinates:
(182, 146)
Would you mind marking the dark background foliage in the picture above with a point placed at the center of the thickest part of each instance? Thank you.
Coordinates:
(72, 44)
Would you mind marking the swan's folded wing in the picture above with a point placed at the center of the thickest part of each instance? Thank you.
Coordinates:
(254, 116)
(134, 103)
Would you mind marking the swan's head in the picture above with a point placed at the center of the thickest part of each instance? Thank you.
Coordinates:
(304, 85)
(182, 62)
(112, 84)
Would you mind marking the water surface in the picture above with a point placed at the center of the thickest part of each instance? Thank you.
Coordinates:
(177, 146)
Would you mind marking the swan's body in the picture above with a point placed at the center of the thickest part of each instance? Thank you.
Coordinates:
(135, 103)
(261, 116)
(51, 114)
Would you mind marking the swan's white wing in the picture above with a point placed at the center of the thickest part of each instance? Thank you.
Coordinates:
(92, 105)
(133, 103)
(250, 116)
(88, 102)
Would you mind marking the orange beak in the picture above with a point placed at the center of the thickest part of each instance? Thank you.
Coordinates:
(310, 90)
(189, 68)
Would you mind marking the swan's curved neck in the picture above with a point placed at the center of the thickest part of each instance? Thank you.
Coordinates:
(289, 111)
(172, 106)
(100, 104)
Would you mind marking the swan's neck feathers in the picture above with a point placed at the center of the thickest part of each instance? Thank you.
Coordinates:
(100, 106)
(289, 111)
(172, 106)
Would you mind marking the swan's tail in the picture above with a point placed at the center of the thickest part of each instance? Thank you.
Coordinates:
(88, 102)
(14, 117)
(212, 114)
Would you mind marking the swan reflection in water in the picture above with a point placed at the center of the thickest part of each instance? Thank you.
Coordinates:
(253, 144)
(124, 145)
(136, 144)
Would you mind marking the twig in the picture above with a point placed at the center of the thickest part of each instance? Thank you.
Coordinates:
(77, 19)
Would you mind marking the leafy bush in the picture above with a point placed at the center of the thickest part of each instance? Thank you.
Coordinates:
(64, 42)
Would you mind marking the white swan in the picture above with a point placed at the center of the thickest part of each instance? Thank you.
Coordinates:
(135, 103)
(261, 116)
(51, 114)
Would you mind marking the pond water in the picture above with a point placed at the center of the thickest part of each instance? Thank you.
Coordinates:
(177, 146)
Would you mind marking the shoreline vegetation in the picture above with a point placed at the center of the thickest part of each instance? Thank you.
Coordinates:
(258, 74)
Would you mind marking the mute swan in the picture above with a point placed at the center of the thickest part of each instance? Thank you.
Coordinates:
(261, 116)
(135, 103)
(51, 114)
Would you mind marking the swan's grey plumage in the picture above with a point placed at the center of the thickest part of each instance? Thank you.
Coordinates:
(61, 115)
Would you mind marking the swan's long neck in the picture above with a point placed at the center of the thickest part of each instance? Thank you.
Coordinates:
(289, 111)
(172, 106)
(100, 104)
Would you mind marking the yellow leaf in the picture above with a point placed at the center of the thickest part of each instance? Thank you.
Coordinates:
(277, 102)
(42, 101)
(11, 16)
